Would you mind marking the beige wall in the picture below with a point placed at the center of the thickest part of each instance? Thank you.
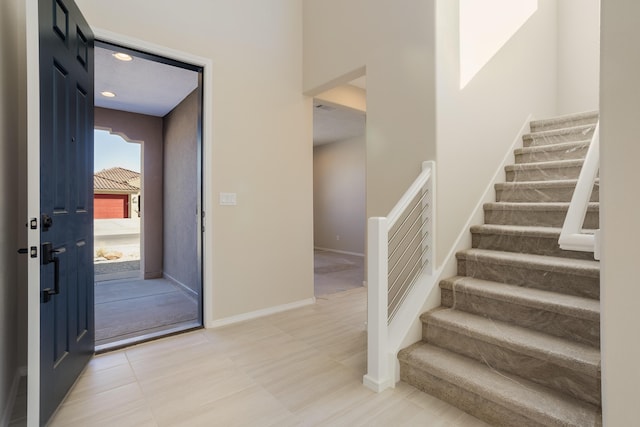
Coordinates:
(9, 139)
(181, 182)
(395, 42)
(339, 195)
(146, 130)
(578, 55)
(261, 139)
(481, 120)
(619, 207)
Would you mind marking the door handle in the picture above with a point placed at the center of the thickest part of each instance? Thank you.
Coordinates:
(48, 257)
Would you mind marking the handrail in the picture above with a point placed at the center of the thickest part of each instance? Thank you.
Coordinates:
(398, 261)
(408, 195)
(571, 237)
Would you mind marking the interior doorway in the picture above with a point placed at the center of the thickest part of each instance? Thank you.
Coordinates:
(339, 187)
(148, 265)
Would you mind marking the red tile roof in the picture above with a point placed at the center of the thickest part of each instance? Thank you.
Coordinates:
(116, 179)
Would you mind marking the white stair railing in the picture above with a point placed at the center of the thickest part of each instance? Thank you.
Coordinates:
(571, 237)
(400, 250)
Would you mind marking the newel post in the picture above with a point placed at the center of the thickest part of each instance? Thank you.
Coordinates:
(378, 376)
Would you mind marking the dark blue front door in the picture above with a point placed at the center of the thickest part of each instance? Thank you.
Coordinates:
(66, 199)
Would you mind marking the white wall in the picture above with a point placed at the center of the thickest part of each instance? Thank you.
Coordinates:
(578, 55)
(262, 248)
(619, 207)
(394, 42)
(9, 139)
(477, 124)
(339, 195)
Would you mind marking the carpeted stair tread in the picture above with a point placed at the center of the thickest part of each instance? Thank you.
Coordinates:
(516, 230)
(521, 230)
(542, 262)
(552, 164)
(550, 214)
(539, 240)
(560, 190)
(570, 183)
(545, 153)
(575, 318)
(548, 348)
(512, 400)
(569, 120)
(555, 136)
(534, 206)
(578, 307)
(544, 170)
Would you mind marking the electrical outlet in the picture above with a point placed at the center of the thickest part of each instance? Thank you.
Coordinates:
(337, 237)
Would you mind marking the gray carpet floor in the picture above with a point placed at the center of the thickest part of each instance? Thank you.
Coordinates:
(131, 308)
(335, 272)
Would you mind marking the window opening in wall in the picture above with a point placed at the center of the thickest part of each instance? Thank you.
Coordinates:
(485, 27)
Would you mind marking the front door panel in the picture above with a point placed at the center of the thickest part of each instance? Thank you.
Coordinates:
(66, 199)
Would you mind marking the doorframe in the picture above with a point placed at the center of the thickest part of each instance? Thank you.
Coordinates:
(33, 211)
(33, 184)
(205, 146)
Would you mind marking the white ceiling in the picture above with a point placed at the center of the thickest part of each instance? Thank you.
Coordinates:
(148, 87)
(332, 122)
(141, 86)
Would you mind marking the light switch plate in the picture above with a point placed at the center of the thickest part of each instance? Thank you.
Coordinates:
(228, 199)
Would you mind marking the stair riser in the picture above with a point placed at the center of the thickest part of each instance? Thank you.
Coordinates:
(541, 126)
(472, 403)
(556, 281)
(543, 320)
(543, 195)
(547, 156)
(536, 140)
(542, 371)
(537, 245)
(537, 218)
(541, 174)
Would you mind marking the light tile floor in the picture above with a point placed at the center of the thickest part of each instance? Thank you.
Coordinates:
(303, 367)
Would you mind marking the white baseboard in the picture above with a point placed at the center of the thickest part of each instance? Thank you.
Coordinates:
(338, 251)
(259, 313)
(11, 399)
(376, 386)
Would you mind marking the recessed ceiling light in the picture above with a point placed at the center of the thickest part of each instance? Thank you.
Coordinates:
(108, 94)
(123, 56)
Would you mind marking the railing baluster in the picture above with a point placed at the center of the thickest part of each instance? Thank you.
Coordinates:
(399, 249)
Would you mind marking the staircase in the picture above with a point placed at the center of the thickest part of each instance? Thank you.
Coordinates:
(516, 339)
